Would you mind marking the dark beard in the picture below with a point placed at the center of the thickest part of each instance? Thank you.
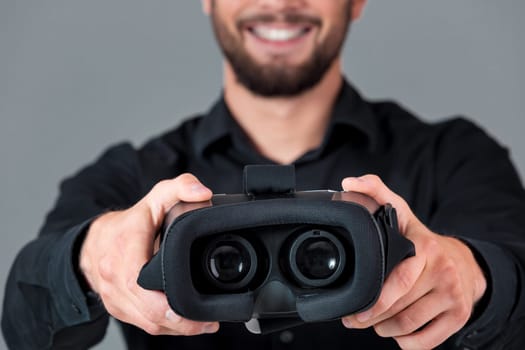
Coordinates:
(281, 80)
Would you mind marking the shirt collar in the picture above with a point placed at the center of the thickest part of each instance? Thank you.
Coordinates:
(350, 110)
(216, 125)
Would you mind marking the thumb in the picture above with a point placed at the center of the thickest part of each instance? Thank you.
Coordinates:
(166, 193)
(373, 186)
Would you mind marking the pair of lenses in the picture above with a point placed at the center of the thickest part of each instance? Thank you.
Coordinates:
(312, 258)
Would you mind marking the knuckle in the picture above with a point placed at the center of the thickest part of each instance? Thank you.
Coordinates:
(448, 266)
(190, 328)
(372, 184)
(373, 178)
(105, 291)
(450, 278)
(185, 331)
(406, 323)
(152, 315)
(403, 277)
(380, 306)
(352, 322)
(121, 240)
(185, 178)
(132, 285)
(380, 330)
(449, 281)
(431, 246)
(462, 314)
(106, 268)
(456, 292)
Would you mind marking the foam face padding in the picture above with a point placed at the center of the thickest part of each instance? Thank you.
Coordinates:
(355, 220)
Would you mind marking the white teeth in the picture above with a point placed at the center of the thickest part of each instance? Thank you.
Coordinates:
(277, 34)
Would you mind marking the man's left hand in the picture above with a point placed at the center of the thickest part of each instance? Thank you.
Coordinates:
(428, 297)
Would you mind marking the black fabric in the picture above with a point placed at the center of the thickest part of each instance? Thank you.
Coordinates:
(455, 177)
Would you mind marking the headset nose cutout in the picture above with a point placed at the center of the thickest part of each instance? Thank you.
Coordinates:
(275, 299)
(274, 309)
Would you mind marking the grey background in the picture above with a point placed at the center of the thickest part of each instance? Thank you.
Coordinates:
(77, 76)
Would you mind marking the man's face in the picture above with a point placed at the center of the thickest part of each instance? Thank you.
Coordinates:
(280, 47)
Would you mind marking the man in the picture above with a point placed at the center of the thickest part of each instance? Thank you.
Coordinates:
(285, 101)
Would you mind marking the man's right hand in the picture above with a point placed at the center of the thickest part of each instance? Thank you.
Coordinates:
(117, 246)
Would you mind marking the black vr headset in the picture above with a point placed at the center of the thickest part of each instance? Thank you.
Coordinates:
(275, 258)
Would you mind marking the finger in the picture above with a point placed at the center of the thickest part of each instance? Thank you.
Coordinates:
(190, 189)
(143, 308)
(153, 306)
(432, 335)
(147, 215)
(126, 312)
(165, 194)
(373, 186)
(176, 325)
(399, 283)
(413, 317)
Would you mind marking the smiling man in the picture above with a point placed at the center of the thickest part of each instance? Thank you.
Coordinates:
(284, 53)
(286, 101)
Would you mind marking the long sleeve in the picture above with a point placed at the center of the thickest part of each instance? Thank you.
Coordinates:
(481, 201)
(457, 180)
(45, 305)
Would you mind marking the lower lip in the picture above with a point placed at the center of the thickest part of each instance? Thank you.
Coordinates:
(280, 47)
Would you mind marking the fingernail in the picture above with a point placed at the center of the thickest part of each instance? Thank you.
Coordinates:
(350, 179)
(198, 188)
(210, 328)
(364, 316)
(172, 316)
(347, 323)
(347, 182)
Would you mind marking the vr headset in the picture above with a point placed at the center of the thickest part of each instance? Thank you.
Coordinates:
(275, 258)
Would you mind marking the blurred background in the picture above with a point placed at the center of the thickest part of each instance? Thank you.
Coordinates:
(77, 76)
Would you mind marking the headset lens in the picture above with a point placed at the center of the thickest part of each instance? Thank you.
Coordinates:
(229, 262)
(317, 258)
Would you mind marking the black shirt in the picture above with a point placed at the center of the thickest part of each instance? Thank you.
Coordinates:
(456, 179)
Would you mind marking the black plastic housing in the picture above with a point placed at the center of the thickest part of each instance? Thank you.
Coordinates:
(273, 300)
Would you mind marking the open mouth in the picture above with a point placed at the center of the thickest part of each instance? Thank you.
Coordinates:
(289, 35)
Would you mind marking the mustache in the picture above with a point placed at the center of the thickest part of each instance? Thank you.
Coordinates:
(286, 17)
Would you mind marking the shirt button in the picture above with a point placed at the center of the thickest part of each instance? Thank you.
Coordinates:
(76, 308)
(472, 334)
(286, 337)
